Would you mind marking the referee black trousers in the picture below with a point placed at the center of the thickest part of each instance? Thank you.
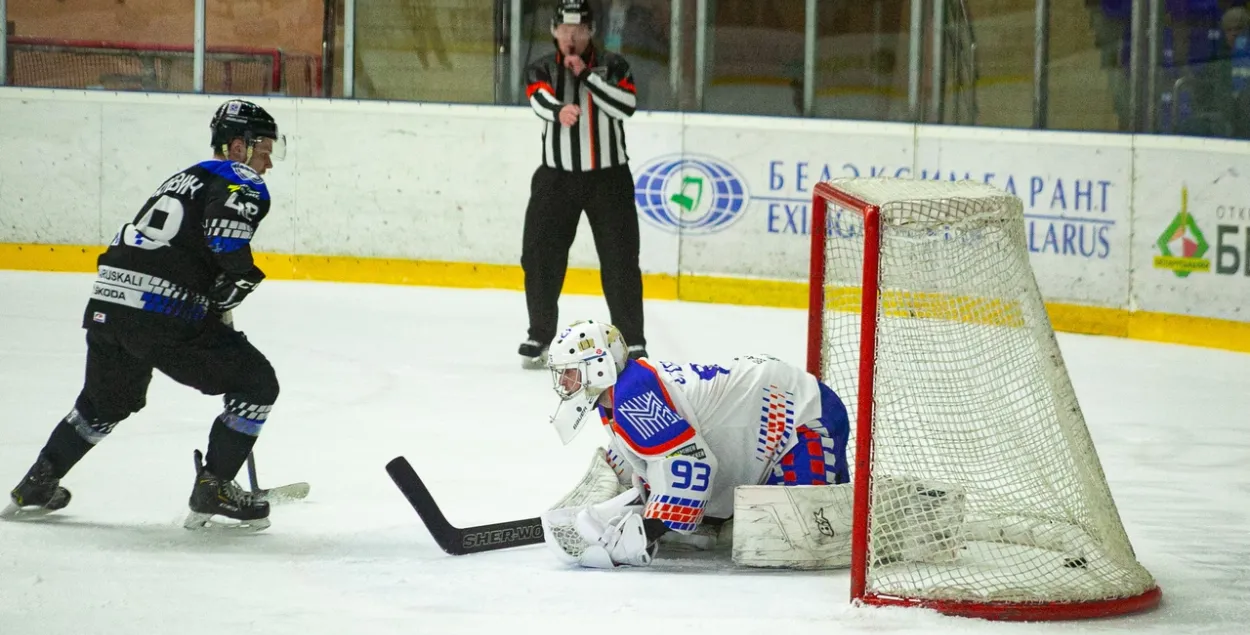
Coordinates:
(557, 199)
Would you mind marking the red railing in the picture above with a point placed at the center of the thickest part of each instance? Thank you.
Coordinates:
(279, 60)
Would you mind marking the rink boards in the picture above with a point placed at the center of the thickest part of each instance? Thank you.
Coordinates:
(1134, 236)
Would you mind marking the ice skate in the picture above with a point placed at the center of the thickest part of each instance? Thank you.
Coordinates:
(533, 355)
(215, 499)
(38, 494)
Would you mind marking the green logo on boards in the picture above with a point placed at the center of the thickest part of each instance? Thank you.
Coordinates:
(1182, 244)
(683, 199)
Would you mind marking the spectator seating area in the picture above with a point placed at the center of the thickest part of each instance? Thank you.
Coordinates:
(1204, 65)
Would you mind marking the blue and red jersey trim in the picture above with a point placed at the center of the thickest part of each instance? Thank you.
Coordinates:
(643, 413)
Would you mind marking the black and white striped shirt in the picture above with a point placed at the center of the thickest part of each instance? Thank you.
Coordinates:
(604, 91)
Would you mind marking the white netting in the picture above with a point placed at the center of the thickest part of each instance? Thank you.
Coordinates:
(986, 486)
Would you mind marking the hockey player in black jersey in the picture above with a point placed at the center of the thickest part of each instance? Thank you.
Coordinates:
(162, 301)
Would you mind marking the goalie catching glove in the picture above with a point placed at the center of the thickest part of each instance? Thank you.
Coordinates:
(599, 523)
(600, 536)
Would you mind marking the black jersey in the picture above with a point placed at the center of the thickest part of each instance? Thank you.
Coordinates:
(196, 226)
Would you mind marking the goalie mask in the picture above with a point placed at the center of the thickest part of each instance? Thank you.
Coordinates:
(584, 360)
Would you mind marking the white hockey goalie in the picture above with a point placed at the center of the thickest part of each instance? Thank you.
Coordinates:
(693, 446)
(599, 525)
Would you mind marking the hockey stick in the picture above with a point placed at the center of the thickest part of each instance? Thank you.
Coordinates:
(279, 494)
(251, 471)
(455, 540)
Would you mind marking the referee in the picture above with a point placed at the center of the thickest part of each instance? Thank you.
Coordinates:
(585, 96)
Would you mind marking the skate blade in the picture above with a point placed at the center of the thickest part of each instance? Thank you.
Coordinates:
(534, 363)
(14, 512)
(197, 521)
(285, 493)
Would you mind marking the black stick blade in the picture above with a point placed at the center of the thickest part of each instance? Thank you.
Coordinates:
(453, 540)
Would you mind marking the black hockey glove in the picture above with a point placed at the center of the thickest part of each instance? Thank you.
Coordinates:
(230, 290)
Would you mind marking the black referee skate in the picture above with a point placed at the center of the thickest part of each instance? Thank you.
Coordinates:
(217, 497)
(533, 355)
(637, 351)
(38, 494)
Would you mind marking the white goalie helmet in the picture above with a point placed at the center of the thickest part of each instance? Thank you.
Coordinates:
(584, 359)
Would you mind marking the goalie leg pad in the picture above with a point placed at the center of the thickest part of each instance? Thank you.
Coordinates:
(598, 484)
(797, 527)
(916, 520)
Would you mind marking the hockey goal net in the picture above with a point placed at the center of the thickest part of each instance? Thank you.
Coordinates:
(977, 488)
(61, 63)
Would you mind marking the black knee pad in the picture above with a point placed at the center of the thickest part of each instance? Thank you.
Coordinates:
(264, 389)
(113, 407)
(247, 410)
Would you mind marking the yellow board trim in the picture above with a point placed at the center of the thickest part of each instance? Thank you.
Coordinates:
(1070, 318)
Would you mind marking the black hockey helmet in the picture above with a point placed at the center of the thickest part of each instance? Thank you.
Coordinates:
(573, 12)
(238, 119)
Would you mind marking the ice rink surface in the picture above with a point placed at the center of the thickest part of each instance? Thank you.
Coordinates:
(370, 372)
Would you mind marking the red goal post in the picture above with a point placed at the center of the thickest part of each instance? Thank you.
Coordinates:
(977, 488)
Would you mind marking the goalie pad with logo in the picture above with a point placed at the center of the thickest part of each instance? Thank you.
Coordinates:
(792, 527)
(916, 520)
(809, 526)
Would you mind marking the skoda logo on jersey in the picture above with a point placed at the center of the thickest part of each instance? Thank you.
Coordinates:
(245, 172)
(690, 194)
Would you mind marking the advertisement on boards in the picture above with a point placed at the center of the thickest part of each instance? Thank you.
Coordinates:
(739, 196)
(738, 193)
(1077, 195)
(1192, 232)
